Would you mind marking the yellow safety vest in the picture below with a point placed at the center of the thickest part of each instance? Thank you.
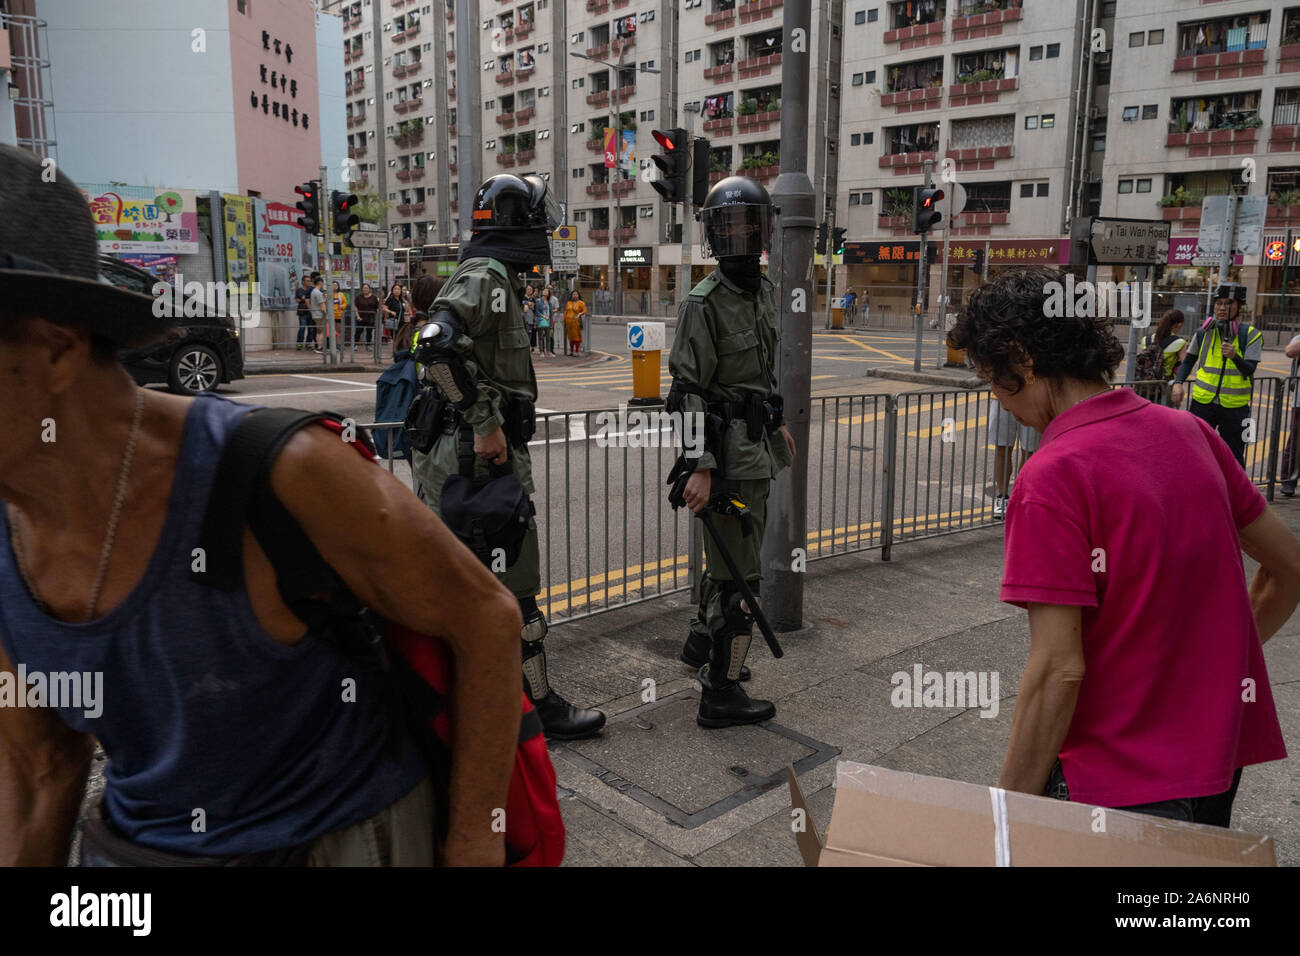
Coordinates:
(1217, 377)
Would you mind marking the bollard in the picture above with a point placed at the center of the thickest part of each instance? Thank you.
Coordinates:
(646, 340)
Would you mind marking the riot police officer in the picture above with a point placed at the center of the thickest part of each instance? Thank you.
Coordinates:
(722, 363)
(474, 351)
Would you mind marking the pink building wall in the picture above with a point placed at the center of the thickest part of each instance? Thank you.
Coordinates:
(272, 154)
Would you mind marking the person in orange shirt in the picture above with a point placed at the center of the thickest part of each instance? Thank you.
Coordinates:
(574, 310)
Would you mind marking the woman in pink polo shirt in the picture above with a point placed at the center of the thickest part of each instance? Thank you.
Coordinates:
(1145, 687)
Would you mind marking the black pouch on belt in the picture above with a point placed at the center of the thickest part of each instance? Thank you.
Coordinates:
(424, 419)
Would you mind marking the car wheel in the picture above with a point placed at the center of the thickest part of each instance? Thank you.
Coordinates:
(194, 368)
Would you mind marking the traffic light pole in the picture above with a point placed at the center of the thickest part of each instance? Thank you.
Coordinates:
(616, 175)
(688, 200)
(828, 259)
(784, 551)
(326, 214)
(922, 277)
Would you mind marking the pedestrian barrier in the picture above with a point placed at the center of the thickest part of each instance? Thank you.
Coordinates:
(883, 470)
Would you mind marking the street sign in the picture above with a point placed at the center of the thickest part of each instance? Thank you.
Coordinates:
(1124, 242)
(565, 232)
(564, 249)
(1250, 225)
(645, 336)
(952, 204)
(368, 240)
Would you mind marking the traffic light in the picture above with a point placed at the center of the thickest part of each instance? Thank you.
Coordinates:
(342, 218)
(977, 264)
(671, 184)
(821, 239)
(699, 170)
(925, 214)
(309, 206)
(837, 240)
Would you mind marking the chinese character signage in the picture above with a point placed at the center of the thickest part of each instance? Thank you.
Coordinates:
(237, 221)
(283, 258)
(1000, 251)
(143, 219)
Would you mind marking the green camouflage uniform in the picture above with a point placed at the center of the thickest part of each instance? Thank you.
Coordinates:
(725, 345)
(486, 296)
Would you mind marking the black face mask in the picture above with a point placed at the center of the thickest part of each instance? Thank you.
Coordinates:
(744, 271)
(514, 246)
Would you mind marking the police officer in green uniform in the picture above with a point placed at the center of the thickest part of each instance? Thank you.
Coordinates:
(722, 363)
(475, 351)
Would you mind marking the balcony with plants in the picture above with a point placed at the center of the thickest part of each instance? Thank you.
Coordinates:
(506, 149)
(1217, 48)
(596, 134)
(759, 108)
(977, 19)
(719, 164)
(408, 133)
(914, 86)
(916, 23)
(908, 147)
(1223, 125)
(761, 161)
(527, 147)
(896, 210)
(1283, 197)
(982, 77)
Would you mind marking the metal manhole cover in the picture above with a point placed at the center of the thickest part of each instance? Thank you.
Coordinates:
(703, 773)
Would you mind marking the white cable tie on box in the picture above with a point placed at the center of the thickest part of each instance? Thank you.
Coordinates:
(1001, 834)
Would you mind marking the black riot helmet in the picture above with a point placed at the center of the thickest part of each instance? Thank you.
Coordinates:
(737, 218)
(507, 201)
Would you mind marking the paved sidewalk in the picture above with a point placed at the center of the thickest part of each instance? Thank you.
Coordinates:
(290, 361)
(657, 790)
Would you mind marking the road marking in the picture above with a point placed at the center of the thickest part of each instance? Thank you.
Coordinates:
(324, 391)
(337, 381)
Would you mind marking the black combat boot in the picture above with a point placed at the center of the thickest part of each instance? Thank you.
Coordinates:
(722, 700)
(560, 719)
(695, 651)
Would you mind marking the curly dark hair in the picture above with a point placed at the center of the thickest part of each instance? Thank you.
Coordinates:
(424, 290)
(1004, 323)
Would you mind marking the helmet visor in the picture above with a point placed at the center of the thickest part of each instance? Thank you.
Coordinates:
(545, 210)
(741, 229)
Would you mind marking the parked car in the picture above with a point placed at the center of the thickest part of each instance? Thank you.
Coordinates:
(198, 354)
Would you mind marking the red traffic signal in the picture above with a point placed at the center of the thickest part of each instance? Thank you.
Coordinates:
(665, 137)
(924, 205)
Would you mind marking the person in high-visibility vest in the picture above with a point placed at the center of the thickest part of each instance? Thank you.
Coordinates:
(1224, 355)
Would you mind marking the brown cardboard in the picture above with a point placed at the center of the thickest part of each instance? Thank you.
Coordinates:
(887, 817)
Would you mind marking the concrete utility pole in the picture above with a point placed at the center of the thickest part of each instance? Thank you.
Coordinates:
(922, 277)
(791, 265)
(467, 120)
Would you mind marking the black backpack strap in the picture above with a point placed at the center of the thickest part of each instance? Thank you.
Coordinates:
(241, 494)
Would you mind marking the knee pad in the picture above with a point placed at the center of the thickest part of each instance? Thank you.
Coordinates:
(738, 616)
(535, 628)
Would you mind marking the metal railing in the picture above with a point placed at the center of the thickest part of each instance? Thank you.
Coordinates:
(883, 470)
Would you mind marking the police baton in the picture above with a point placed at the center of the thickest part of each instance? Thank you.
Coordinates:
(677, 478)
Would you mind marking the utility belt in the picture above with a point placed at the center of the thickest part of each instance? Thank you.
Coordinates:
(432, 415)
(761, 413)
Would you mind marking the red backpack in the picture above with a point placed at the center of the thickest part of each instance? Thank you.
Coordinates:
(415, 668)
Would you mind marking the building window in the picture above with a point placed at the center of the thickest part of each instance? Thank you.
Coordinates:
(1155, 37)
(868, 138)
(1108, 10)
(1031, 122)
(1042, 190)
(241, 6)
(580, 215)
(873, 16)
(855, 139)
(579, 173)
(1137, 39)
(870, 76)
(857, 79)
(860, 17)
(1130, 113)
(1048, 121)
(578, 83)
(1144, 185)
(1125, 186)
(1053, 50)
(855, 199)
(1150, 111)
(1026, 190)
(1035, 53)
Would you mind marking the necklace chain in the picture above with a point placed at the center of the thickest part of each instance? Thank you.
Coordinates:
(110, 536)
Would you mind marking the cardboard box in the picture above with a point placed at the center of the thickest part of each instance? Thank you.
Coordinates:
(890, 818)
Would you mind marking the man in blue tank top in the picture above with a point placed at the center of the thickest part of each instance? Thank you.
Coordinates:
(231, 735)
